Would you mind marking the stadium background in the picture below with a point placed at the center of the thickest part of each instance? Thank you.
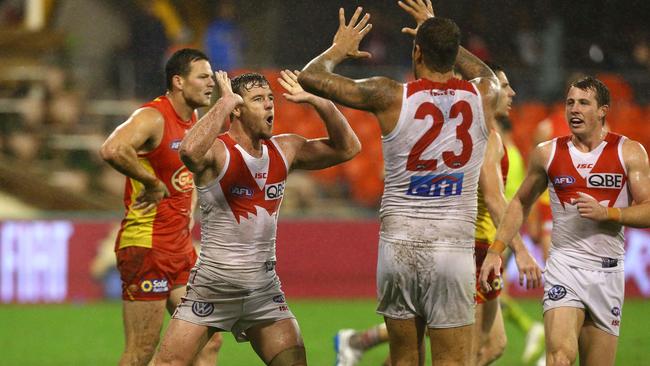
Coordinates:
(72, 70)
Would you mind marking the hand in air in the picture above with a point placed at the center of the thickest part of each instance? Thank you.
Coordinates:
(420, 10)
(348, 36)
(225, 89)
(295, 93)
(149, 198)
(589, 208)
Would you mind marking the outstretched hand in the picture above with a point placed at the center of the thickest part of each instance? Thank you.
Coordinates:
(420, 10)
(225, 89)
(348, 36)
(295, 93)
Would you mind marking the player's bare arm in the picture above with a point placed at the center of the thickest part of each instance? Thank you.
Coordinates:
(638, 173)
(531, 188)
(379, 95)
(200, 151)
(141, 133)
(341, 144)
(491, 185)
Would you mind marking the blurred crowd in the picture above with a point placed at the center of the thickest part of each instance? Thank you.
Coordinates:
(65, 86)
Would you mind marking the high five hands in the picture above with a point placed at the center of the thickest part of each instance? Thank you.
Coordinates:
(348, 36)
(420, 10)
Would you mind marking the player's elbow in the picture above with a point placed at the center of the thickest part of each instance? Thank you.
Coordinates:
(109, 152)
(352, 149)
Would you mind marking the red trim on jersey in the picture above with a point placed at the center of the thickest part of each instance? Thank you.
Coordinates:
(562, 168)
(451, 84)
(240, 188)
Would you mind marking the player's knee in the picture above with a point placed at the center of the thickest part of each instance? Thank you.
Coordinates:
(494, 350)
(292, 356)
(560, 358)
(214, 343)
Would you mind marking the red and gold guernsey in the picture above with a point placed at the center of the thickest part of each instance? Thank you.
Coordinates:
(485, 229)
(239, 215)
(165, 228)
(601, 174)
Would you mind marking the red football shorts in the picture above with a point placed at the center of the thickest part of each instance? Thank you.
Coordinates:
(480, 252)
(148, 274)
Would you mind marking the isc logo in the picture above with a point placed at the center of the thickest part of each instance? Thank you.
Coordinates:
(274, 191)
(605, 180)
(563, 180)
(436, 185)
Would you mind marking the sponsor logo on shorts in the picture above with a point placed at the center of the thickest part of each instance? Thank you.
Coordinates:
(564, 180)
(557, 292)
(175, 144)
(154, 285)
(202, 309)
(605, 180)
(616, 322)
(273, 191)
(616, 311)
(279, 299)
(241, 191)
(283, 308)
(441, 185)
(497, 283)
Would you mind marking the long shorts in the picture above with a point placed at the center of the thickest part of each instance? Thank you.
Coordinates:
(599, 291)
(435, 283)
(496, 282)
(218, 304)
(149, 275)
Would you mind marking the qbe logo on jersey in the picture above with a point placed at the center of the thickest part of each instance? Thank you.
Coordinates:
(605, 180)
(274, 191)
(442, 185)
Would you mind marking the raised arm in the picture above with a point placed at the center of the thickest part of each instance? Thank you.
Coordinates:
(378, 95)
(491, 186)
(638, 180)
(199, 150)
(340, 145)
(140, 133)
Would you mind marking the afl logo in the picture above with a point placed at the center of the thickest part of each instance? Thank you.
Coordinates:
(182, 180)
(563, 180)
(556, 292)
(202, 309)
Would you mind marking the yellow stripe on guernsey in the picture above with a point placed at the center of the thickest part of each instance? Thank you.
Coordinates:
(138, 228)
(485, 229)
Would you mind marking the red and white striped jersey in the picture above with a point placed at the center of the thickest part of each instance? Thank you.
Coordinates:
(239, 213)
(601, 174)
(432, 162)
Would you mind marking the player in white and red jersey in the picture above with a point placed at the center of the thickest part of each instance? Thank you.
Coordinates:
(593, 177)
(240, 177)
(434, 134)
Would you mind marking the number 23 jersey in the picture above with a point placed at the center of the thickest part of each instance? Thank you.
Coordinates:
(433, 157)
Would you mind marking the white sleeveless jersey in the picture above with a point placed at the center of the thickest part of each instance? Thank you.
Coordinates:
(432, 161)
(599, 173)
(239, 214)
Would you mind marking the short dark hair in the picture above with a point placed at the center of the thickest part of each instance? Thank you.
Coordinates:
(590, 82)
(438, 39)
(180, 63)
(495, 67)
(248, 81)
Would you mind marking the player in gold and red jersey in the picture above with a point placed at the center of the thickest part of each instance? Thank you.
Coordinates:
(154, 247)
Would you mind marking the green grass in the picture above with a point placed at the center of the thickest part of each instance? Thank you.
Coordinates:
(91, 334)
